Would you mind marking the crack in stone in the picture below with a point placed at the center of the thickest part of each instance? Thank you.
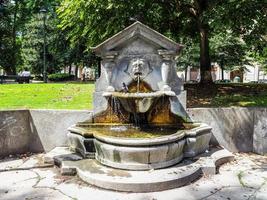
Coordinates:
(218, 190)
(26, 168)
(257, 190)
(39, 178)
(213, 193)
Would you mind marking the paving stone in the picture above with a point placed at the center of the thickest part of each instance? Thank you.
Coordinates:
(58, 154)
(222, 186)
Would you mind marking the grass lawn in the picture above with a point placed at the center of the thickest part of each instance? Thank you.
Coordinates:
(225, 95)
(46, 96)
(78, 96)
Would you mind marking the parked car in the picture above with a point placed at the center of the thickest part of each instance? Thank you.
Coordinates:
(223, 81)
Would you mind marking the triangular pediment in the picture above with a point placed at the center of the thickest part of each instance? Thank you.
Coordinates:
(137, 30)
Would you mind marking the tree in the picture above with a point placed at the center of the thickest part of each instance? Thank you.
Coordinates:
(58, 50)
(228, 51)
(32, 44)
(10, 18)
(96, 20)
(21, 36)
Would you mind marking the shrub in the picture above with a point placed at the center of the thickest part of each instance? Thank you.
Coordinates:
(38, 78)
(60, 77)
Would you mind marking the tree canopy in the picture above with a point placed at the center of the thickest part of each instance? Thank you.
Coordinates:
(230, 30)
(197, 21)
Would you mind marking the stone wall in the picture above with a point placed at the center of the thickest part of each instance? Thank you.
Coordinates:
(237, 129)
(50, 127)
(231, 127)
(24, 131)
(15, 132)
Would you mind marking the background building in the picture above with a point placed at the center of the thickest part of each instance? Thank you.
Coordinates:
(249, 74)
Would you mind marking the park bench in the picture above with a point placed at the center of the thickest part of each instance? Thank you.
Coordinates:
(16, 78)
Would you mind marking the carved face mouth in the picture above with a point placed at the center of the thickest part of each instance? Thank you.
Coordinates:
(138, 73)
(138, 68)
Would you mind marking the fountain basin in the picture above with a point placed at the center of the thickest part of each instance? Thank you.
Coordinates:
(150, 151)
(139, 157)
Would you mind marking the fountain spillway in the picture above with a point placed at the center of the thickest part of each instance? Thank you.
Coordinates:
(137, 102)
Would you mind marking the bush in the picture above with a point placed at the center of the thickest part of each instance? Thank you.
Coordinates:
(38, 78)
(60, 77)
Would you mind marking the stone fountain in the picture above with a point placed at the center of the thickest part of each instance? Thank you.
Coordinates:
(139, 137)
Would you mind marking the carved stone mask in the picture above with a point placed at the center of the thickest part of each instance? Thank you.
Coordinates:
(138, 67)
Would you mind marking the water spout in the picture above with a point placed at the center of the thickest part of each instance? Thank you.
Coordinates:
(137, 75)
(138, 83)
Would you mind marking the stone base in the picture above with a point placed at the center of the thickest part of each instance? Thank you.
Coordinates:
(85, 146)
(92, 172)
(141, 153)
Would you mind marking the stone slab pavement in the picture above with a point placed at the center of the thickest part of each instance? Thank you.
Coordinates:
(245, 178)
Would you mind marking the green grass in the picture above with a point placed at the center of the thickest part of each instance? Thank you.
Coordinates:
(46, 96)
(226, 95)
(240, 100)
(78, 96)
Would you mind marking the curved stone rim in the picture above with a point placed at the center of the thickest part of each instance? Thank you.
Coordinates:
(179, 135)
(141, 95)
(141, 141)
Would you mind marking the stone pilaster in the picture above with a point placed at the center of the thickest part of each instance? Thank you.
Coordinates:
(108, 65)
(167, 61)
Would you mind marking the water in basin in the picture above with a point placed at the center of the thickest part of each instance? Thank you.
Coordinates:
(130, 131)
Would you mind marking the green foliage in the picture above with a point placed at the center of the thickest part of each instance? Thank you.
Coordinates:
(229, 51)
(60, 77)
(235, 29)
(189, 56)
(33, 41)
(94, 21)
(246, 21)
(10, 16)
(21, 38)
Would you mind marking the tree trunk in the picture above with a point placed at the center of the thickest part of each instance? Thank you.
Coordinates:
(222, 72)
(14, 43)
(70, 69)
(205, 65)
(185, 74)
(76, 71)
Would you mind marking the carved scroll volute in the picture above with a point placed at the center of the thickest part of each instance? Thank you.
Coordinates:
(108, 65)
(167, 59)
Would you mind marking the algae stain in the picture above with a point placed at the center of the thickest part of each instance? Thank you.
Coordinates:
(119, 173)
(90, 166)
(116, 156)
(240, 177)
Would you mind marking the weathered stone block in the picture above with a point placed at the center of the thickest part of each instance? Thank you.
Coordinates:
(15, 132)
(260, 131)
